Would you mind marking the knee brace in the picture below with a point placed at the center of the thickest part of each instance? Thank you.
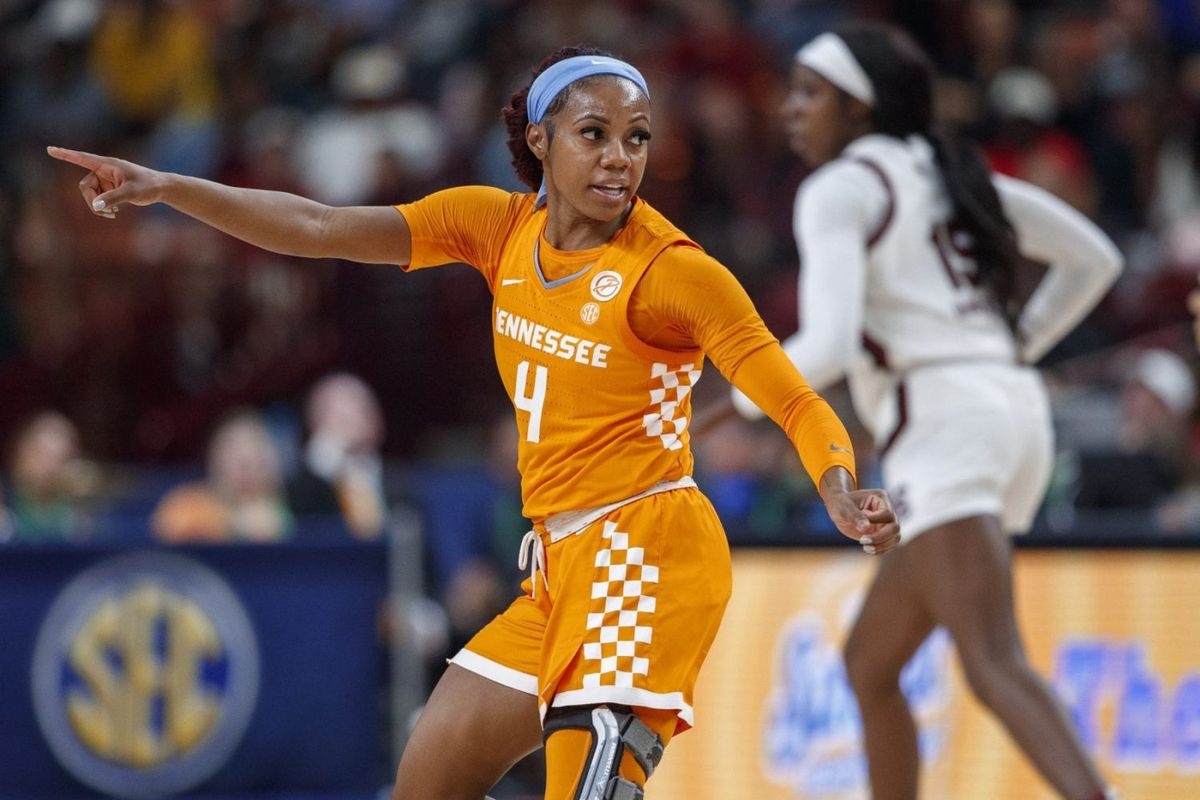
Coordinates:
(614, 732)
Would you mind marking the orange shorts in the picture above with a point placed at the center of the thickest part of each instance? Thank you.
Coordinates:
(633, 605)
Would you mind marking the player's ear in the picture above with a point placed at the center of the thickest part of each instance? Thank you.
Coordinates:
(858, 111)
(537, 140)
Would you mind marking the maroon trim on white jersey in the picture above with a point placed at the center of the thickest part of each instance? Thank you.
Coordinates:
(877, 351)
(890, 212)
(901, 419)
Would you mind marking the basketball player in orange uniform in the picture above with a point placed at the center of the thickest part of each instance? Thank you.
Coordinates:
(603, 314)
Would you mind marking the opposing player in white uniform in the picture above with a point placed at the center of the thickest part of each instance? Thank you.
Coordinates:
(909, 251)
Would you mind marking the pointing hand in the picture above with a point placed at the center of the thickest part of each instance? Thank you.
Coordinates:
(112, 181)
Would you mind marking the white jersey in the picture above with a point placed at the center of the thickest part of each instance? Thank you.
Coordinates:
(885, 287)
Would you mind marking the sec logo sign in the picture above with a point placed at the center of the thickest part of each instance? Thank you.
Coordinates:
(145, 675)
(606, 285)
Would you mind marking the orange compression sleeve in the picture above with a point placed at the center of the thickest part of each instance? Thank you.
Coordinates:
(768, 377)
(687, 299)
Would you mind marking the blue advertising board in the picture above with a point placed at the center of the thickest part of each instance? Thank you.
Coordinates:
(197, 672)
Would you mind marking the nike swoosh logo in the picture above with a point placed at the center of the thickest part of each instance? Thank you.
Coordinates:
(835, 448)
(511, 281)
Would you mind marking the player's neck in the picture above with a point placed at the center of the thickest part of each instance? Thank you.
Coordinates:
(569, 230)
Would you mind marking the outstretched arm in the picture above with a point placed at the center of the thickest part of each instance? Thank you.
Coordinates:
(276, 221)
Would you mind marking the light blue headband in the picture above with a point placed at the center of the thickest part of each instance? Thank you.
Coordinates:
(562, 74)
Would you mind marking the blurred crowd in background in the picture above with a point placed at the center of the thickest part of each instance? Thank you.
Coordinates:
(160, 380)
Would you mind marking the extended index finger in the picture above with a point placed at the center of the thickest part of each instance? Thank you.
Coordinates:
(76, 157)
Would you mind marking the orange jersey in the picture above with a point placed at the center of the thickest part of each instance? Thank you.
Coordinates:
(602, 414)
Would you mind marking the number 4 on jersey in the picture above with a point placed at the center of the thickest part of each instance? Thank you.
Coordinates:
(531, 402)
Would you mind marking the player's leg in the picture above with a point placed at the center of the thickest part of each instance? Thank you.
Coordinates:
(603, 752)
(482, 716)
(470, 733)
(639, 596)
(964, 574)
(890, 627)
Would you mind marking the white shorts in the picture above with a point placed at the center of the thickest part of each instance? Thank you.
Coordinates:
(968, 439)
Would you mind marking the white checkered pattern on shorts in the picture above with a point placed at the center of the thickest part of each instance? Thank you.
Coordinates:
(662, 420)
(619, 591)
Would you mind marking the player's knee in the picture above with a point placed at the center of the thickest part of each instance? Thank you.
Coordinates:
(598, 753)
(991, 675)
(986, 683)
(869, 675)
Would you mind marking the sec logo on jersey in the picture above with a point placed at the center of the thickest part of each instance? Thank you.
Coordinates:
(606, 284)
(145, 675)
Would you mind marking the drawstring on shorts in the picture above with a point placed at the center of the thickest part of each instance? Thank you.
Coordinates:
(568, 523)
(532, 554)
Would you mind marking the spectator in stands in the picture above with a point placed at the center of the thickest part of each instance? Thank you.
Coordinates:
(1177, 178)
(241, 499)
(7, 532)
(156, 63)
(1193, 302)
(51, 483)
(58, 95)
(473, 524)
(342, 470)
(1030, 145)
(1145, 464)
(993, 37)
(369, 134)
(1157, 400)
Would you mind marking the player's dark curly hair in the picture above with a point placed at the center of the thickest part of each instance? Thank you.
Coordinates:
(902, 76)
(516, 117)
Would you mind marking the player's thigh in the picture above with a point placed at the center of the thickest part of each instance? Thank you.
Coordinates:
(891, 625)
(964, 574)
(470, 733)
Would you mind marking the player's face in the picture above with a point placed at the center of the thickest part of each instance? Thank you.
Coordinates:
(815, 116)
(597, 156)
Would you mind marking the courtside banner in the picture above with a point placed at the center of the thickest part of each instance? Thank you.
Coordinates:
(197, 671)
(1117, 632)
